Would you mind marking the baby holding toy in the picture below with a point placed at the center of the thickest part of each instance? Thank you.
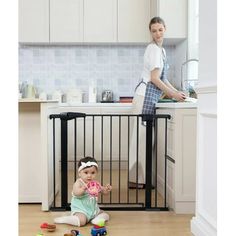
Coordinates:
(84, 207)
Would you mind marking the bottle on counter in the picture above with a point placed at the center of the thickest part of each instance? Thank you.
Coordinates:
(92, 94)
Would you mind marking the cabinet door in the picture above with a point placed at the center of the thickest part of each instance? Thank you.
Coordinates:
(115, 135)
(66, 21)
(34, 21)
(133, 20)
(174, 13)
(100, 21)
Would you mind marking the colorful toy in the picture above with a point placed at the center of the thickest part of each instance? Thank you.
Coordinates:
(93, 188)
(49, 227)
(99, 229)
(39, 234)
(44, 225)
(73, 233)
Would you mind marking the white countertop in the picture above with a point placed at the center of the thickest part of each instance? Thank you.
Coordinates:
(177, 105)
(99, 104)
(172, 105)
(75, 104)
(36, 100)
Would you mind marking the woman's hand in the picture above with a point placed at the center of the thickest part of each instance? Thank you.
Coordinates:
(179, 96)
(166, 87)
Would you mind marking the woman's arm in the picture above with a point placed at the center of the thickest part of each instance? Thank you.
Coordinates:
(169, 91)
(168, 84)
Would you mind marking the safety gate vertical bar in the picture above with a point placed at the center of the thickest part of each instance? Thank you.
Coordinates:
(148, 192)
(64, 178)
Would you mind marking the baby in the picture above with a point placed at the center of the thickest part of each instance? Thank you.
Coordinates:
(84, 207)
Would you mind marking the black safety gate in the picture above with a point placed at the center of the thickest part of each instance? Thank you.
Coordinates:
(107, 138)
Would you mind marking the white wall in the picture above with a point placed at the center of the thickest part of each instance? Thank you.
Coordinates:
(205, 221)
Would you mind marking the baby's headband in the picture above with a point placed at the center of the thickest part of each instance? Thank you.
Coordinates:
(87, 164)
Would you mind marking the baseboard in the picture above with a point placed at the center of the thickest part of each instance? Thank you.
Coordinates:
(29, 199)
(185, 207)
(199, 227)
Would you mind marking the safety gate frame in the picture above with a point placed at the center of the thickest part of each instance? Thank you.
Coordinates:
(151, 192)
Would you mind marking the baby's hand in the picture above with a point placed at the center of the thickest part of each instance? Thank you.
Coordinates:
(83, 188)
(107, 188)
(79, 188)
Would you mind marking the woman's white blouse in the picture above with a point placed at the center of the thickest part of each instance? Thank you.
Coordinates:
(154, 57)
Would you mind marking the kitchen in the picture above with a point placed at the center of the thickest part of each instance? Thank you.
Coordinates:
(60, 69)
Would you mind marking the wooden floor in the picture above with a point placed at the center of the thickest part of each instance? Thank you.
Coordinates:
(122, 223)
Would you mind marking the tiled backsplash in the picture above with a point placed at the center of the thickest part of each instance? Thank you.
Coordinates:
(114, 67)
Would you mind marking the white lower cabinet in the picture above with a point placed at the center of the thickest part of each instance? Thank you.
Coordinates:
(181, 175)
(33, 151)
(116, 137)
(97, 137)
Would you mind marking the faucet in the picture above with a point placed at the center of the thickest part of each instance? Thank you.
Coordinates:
(186, 62)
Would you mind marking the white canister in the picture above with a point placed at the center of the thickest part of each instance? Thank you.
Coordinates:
(57, 95)
(74, 96)
(43, 96)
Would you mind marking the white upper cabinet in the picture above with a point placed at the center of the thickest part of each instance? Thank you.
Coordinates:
(92, 21)
(34, 21)
(66, 21)
(174, 13)
(133, 20)
(100, 21)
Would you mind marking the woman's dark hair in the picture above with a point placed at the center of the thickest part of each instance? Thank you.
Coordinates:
(155, 20)
(86, 159)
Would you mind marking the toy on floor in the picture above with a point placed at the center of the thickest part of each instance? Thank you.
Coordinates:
(44, 225)
(73, 232)
(39, 234)
(99, 229)
(48, 227)
(93, 188)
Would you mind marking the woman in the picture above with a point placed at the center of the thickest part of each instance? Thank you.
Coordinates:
(153, 84)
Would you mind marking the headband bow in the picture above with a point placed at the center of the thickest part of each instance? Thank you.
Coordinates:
(87, 164)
